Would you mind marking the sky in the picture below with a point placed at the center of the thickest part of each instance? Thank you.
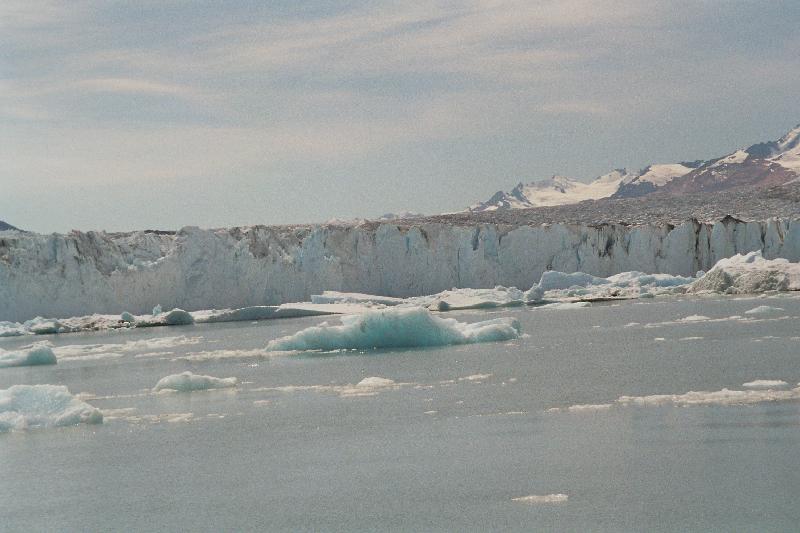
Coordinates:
(162, 114)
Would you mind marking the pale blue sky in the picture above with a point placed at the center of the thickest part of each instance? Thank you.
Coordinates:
(157, 114)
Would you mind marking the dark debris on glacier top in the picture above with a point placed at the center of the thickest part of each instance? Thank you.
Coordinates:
(658, 209)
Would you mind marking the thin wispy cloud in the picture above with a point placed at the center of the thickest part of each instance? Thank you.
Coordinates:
(470, 94)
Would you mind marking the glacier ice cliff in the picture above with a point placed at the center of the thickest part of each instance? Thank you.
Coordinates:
(94, 272)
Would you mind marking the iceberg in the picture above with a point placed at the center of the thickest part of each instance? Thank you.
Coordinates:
(579, 285)
(41, 406)
(176, 317)
(456, 299)
(36, 354)
(187, 381)
(749, 273)
(396, 328)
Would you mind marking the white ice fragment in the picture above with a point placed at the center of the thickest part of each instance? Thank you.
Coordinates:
(39, 353)
(335, 297)
(396, 328)
(694, 318)
(759, 391)
(765, 384)
(465, 298)
(546, 498)
(127, 317)
(565, 305)
(375, 383)
(762, 310)
(34, 406)
(188, 381)
(157, 310)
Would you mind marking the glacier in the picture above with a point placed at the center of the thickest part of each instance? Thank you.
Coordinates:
(41, 406)
(396, 328)
(85, 273)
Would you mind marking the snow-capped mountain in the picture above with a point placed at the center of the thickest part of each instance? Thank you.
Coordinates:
(652, 177)
(557, 190)
(763, 164)
(4, 226)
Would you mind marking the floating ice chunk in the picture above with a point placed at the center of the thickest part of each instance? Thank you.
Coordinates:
(299, 309)
(558, 285)
(11, 329)
(640, 279)
(256, 312)
(34, 406)
(765, 384)
(127, 317)
(375, 382)
(565, 305)
(396, 328)
(694, 318)
(749, 273)
(552, 280)
(720, 397)
(176, 317)
(762, 310)
(36, 354)
(546, 498)
(157, 310)
(456, 299)
(43, 326)
(118, 349)
(476, 377)
(759, 391)
(335, 297)
(187, 381)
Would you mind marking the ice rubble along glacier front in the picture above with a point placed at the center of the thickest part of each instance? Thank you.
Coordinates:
(83, 273)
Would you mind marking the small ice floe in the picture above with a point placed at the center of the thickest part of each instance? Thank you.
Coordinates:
(545, 498)
(396, 328)
(765, 384)
(42, 406)
(218, 355)
(39, 353)
(187, 381)
(694, 318)
(367, 387)
(583, 408)
(86, 352)
(476, 377)
(763, 310)
(759, 391)
(565, 305)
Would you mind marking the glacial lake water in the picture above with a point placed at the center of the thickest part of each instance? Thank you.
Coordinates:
(465, 432)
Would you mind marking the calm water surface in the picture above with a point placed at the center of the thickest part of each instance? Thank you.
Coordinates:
(438, 453)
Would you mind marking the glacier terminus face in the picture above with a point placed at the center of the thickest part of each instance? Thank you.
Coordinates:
(94, 272)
